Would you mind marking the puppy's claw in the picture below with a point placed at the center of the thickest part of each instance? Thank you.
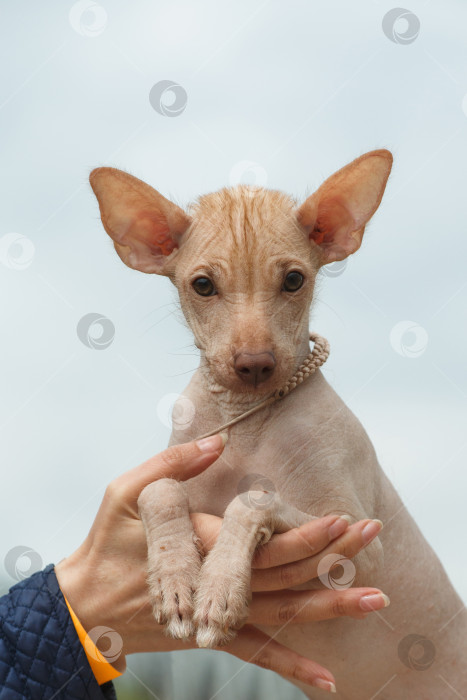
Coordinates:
(213, 636)
(180, 628)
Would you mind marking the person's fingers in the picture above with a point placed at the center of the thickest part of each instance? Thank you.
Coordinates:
(300, 542)
(358, 536)
(207, 528)
(255, 647)
(293, 545)
(355, 538)
(179, 462)
(311, 606)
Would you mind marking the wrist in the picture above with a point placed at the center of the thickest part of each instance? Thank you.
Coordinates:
(71, 577)
(76, 578)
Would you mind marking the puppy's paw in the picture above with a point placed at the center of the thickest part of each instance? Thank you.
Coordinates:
(172, 605)
(172, 581)
(221, 605)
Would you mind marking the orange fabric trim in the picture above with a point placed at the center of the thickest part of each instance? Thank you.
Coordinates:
(102, 669)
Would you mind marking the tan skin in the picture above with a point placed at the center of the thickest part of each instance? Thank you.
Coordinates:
(104, 580)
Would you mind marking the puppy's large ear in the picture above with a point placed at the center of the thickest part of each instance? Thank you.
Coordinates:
(144, 226)
(336, 214)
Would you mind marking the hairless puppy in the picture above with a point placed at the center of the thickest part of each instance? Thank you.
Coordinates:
(244, 261)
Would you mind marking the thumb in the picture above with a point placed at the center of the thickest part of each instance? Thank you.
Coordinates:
(179, 462)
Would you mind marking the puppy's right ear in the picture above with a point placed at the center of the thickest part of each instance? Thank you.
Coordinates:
(146, 228)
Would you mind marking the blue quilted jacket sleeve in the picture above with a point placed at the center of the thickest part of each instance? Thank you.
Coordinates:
(41, 656)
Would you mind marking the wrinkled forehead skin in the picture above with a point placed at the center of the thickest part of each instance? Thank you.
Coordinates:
(243, 231)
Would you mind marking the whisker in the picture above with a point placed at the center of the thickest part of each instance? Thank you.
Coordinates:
(163, 306)
(157, 322)
(180, 374)
(183, 354)
(320, 301)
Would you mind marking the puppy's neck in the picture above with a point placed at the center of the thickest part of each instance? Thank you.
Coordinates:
(226, 402)
(217, 404)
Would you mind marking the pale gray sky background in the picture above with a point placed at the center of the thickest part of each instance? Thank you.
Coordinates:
(297, 89)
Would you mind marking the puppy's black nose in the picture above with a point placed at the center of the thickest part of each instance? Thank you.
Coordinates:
(254, 368)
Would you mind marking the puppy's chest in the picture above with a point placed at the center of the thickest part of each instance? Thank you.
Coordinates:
(255, 468)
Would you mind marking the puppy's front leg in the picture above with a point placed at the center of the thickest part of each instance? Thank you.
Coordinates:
(223, 594)
(174, 555)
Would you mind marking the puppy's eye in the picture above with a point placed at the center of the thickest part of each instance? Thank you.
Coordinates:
(204, 287)
(293, 282)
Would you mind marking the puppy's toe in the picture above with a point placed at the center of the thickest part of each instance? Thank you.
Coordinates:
(156, 598)
(178, 610)
(221, 607)
(180, 627)
(172, 598)
(212, 636)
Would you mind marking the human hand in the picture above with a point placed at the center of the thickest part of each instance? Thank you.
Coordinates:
(105, 579)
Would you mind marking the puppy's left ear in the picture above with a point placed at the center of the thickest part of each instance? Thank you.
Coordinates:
(336, 214)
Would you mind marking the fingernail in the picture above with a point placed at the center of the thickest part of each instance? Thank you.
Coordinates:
(213, 443)
(374, 601)
(325, 685)
(339, 526)
(370, 531)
